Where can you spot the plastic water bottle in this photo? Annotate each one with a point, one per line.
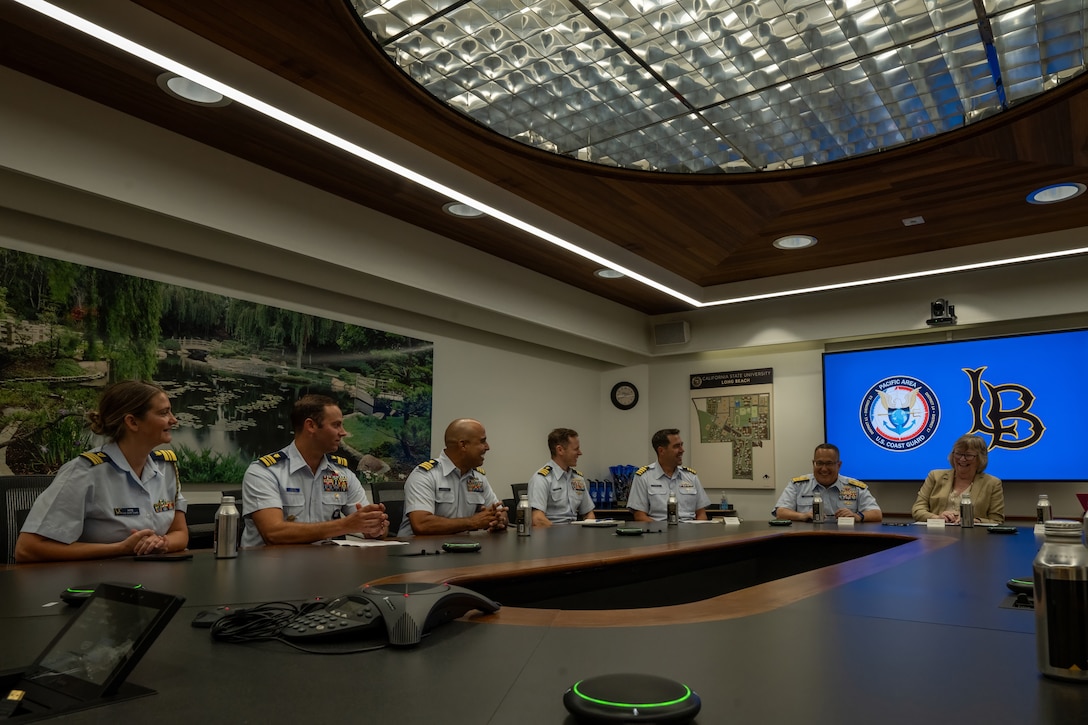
(225, 537)
(524, 516)
(817, 506)
(967, 511)
(1043, 511)
(672, 515)
(1060, 575)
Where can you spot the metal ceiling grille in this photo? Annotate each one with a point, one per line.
(705, 86)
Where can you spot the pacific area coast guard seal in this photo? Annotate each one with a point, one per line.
(900, 413)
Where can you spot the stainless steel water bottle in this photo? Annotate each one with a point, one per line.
(967, 511)
(226, 529)
(1060, 575)
(817, 506)
(523, 517)
(672, 515)
(1043, 511)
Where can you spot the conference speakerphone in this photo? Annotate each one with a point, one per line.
(408, 611)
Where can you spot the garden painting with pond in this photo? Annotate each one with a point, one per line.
(232, 369)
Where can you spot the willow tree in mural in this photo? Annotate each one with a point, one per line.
(232, 368)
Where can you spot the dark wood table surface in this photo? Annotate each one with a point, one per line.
(911, 634)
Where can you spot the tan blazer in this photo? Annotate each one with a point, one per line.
(986, 493)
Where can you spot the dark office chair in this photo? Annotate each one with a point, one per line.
(17, 494)
(511, 503)
(390, 493)
(200, 520)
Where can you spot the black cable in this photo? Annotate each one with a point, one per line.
(262, 622)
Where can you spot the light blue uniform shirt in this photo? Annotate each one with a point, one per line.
(437, 486)
(650, 492)
(846, 492)
(97, 498)
(283, 480)
(563, 496)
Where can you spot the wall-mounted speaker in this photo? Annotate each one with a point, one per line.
(676, 332)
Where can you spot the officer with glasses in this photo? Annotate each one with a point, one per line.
(842, 496)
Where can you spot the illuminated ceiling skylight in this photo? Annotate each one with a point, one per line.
(705, 86)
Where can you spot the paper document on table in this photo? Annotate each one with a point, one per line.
(596, 522)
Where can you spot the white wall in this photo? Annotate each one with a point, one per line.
(519, 398)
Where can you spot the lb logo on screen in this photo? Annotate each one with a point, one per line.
(900, 413)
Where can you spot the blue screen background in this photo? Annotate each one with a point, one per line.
(1050, 366)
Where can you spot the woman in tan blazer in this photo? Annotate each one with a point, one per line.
(939, 497)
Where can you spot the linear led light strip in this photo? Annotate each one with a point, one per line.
(107, 36)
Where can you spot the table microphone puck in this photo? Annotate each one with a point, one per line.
(631, 698)
(1022, 585)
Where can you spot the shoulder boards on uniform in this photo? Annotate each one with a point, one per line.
(95, 457)
(545, 470)
(272, 458)
(799, 479)
(690, 470)
(428, 465)
(578, 473)
(165, 454)
(480, 470)
(338, 460)
(854, 482)
(642, 470)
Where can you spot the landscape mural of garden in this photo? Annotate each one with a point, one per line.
(232, 369)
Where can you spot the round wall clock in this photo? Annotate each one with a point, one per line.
(624, 395)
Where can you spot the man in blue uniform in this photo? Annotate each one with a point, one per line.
(558, 492)
(304, 493)
(843, 497)
(450, 494)
(652, 484)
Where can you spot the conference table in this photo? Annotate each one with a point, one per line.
(895, 624)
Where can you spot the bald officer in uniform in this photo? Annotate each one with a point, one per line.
(557, 492)
(303, 493)
(652, 484)
(450, 494)
(845, 497)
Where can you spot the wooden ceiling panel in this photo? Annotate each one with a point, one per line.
(969, 185)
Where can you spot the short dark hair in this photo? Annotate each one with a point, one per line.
(827, 447)
(661, 438)
(560, 437)
(119, 400)
(312, 407)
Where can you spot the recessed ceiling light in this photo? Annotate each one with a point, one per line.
(1056, 192)
(190, 91)
(609, 274)
(456, 208)
(795, 241)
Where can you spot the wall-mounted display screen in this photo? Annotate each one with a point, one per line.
(895, 412)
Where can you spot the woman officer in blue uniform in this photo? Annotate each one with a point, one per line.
(120, 499)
